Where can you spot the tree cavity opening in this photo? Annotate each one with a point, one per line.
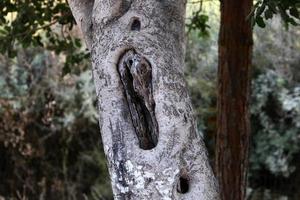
(135, 24)
(183, 184)
(136, 76)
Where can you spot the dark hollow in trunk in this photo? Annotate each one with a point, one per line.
(136, 76)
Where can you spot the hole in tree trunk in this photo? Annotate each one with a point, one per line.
(135, 24)
(183, 185)
(136, 76)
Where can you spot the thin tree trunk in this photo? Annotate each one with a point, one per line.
(146, 119)
(232, 141)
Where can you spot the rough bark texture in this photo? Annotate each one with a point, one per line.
(235, 49)
(146, 119)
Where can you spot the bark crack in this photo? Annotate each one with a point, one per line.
(136, 76)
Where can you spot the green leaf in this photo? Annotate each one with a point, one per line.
(268, 14)
(77, 42)
(272, 7)
(260, 10)
(66, 69)
(260, 22)
(293, 22)
(294, 12)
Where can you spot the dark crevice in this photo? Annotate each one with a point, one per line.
(135, 25)
(136, 76)
(183, 184)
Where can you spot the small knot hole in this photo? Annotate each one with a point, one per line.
(135, 24)
(130, 62)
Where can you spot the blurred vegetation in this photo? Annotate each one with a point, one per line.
(275, 103)
(49, 135)
(50, 144)
(264, 10)
(275, 113)
(40, 23)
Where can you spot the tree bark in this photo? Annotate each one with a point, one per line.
(233, 127)
(146, 119)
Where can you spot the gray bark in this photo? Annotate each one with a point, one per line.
(146, 118)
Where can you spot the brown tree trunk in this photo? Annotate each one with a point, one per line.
(232, 141)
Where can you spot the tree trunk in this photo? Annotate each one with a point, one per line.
(232, 141)
(146, 119)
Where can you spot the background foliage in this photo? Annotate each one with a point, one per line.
(274, 153)
(263, 10)
(40, 23)
(49, 137)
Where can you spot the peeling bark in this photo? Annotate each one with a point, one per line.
(146, 118)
